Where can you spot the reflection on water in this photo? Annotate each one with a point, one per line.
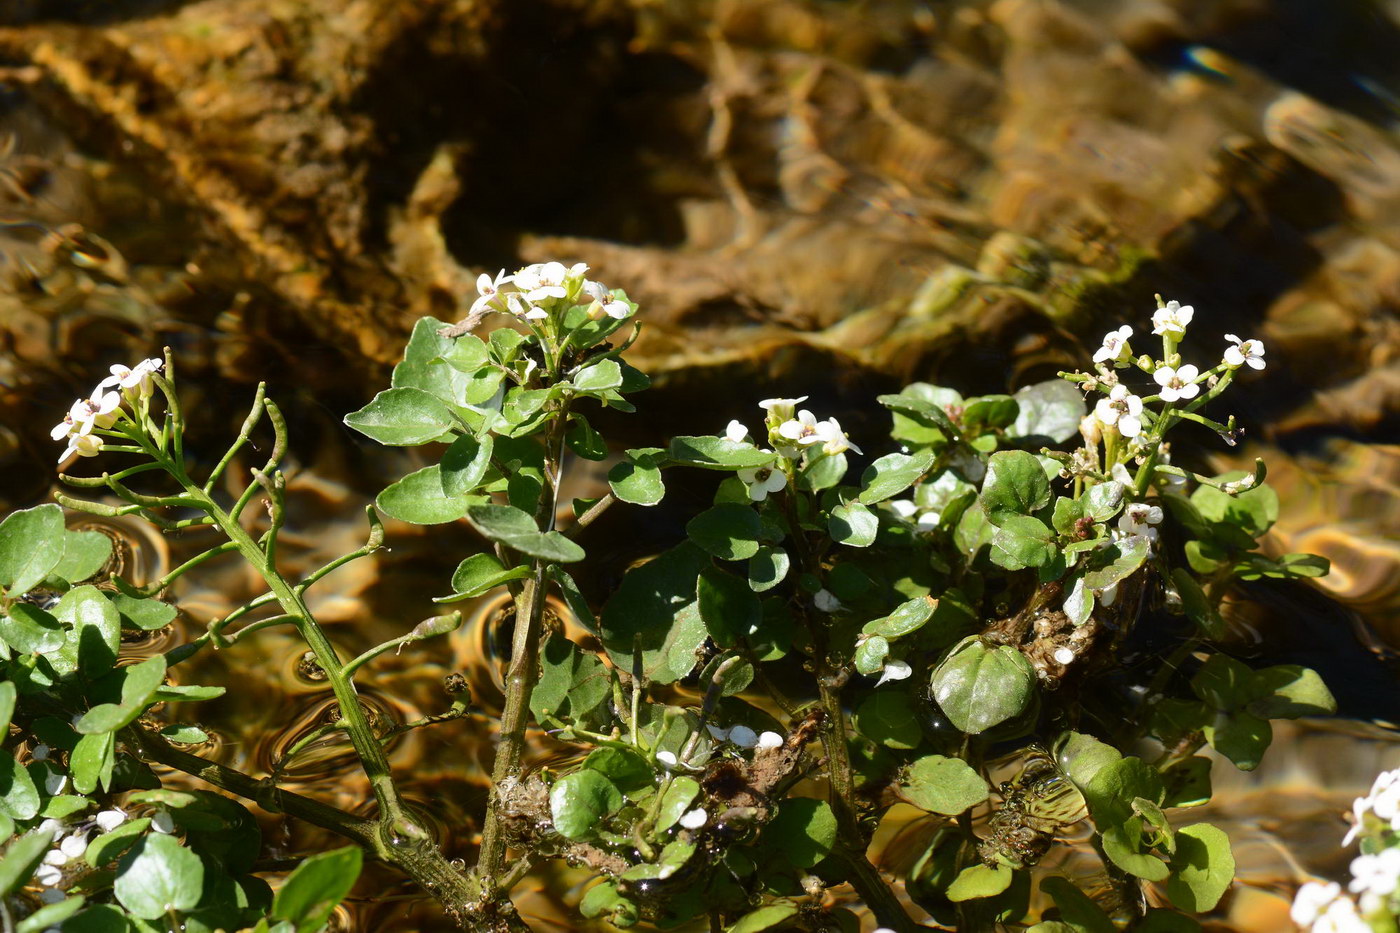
(820, 199)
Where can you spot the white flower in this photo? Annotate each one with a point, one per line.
(1138, 519)
(542, 280)
(1312, 899)
(1378, 874)
(1244, 352)
(1341, 917)
(48, 875)
(1122, 410)
(136, 377)
(762, 481)
(694, 819)
(743, 736)
(802, 428)
(1172, 319)
(770, 740)
(780, 409)
(109, 820)
(667, 759)
(614, 308)
(55, 857)
(1177, 384)
(84, 445)
(1115, 345)
(894, 670)
(74, 845)
(488, 290)
(834, 440)
(736, 432)
(522, 308)
(825, 601)
(162, 822)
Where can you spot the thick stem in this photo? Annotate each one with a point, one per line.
(523, 670)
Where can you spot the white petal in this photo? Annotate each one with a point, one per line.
(743, 736)
(1129, 426)
(694, 819)
(162, 822)
(770, 740)
(666, 758)
(1255, 362)
(894, 670)
(736, 431)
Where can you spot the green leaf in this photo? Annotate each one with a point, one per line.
(1224, 683)
(50, 916)
(888, 718)
(989, 411)
(1022, 541)
(719, 453)
(871, 654)
(602, 900)
(853, 525)
(105, 717)
(637, 479)
(601, 376)
(1132, 553)
(312, 891)
(1293, 691)
(64, 806)
(30, 630)
(1113, 789)
(92, 762)
(764, 918)
(94, 632)
(140, 681)
(1253, 511)
(1123, 844)
(943, 785)
(892, 474)
(31, 546)
(728, 531)
(448, 368)
(675, 802)
(1081, 757)
(8, 695)
(403, 417)
(571, 682)
(1051, 409)
(728, 607)
(1067, 514)
(21, 858)
(822, 471)
(1241, 737)
(158, 876)
(419, 498)
(585, 441)
(907, 618)
(144, 614)
(580, 801)
(1015, 484)
(106, 847)
(625, 767)
(978, 881)
(1077, 909)
(464, 464)
(1164, 920)
(655, 609)
(1196, 605)
(1103, 501)
(1202, 868)
(183, 734)
(767, 568)
(979, 687)
(1187, 782)
(479, 573)
(804, 830)
(84, 553)
(516, 529)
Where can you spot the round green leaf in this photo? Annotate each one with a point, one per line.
(943, 785)
(21, 858)
(102, 849)
(1202, 867)
(888, 718)
(84, 553)
(157, 876)
(729, 608)
(1015, 484)
(516, 529)
(31, 545)
(19, 799)
(764, 918)
(92, 761)
(318, 884)
(1293, 691)
(729, 531)
(907, 618)
(1123, 844)
(979, 687)
(719, 453)
(654, 610)
(675, 802)
(892, 474)
(419, 498)
(30, 630)
(585, 441)
(479, 573)
(145, 614)
(853, 525)
(1022, 541)
(578, 802)
(1050, 409)
(871, 654)
(601, 376)
(980, 881)
(767, 568)
(804, 830)
(638, 478)
(403, 417)
(94, 632)
(625, 767)
(464, 463)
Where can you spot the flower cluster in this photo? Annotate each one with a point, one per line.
(792, 433)
(101, 409)
(1323, 907)
(70, 844)
(535, 291)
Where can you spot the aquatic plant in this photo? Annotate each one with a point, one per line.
(959, 629)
